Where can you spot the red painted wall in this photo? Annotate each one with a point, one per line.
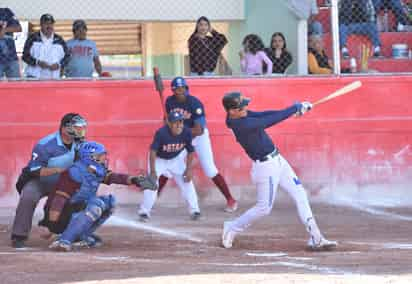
(362, 138)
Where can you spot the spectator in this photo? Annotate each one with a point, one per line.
(84, 56)
(253, 56)
(314, 26)
(204, 49)
(278, 54)
(358, 17)
(50, 157)
(45, 52)
(9, 64)
(318, 61)
(396, 7)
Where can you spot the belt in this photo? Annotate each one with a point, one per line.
(269, 156)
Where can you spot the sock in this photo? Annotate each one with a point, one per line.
(221, 184)
(162, 183)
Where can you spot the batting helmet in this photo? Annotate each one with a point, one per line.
(90, 153)
(179, 82)
(234, 100)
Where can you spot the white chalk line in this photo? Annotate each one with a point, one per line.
(121, 222)
(311, 267)
(378, 212)
(386, 245)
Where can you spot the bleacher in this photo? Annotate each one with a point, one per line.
(385, 63)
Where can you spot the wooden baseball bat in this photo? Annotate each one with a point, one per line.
(340, 92)
(159, 88)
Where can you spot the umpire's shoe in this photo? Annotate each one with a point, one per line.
(18, 242)
(323, 245)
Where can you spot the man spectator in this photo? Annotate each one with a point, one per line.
(50, 157)
(84, 56)
(358, 17)
(45, 52)
(397, 9)
(9, 64)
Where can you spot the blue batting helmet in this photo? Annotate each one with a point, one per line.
(179, 82)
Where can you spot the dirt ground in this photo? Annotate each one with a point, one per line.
(171, 248)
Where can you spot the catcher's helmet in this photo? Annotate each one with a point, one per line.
(89, 154)
(234, 100)
(179, 82)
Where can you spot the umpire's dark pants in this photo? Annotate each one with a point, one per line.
(30, 195)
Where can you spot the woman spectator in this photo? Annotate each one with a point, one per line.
(253, 56)
(278, 54)
(204, 49)
(318, 61)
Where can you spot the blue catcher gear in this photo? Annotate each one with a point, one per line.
(90, 154)
(179, 82)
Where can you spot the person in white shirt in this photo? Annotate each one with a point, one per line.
(45, 52)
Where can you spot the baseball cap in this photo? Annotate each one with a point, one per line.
(77, 24)
(46, 18)
(234, 100)
(175, 116)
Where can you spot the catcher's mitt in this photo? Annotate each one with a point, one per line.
(144, 182)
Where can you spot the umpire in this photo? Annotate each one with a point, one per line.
(50, 156)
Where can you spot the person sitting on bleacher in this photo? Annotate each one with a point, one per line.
(397, 9)
(358, 17)
(318, 61)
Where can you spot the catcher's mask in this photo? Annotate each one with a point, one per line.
(75, 125)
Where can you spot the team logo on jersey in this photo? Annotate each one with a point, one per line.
(186, 114)
(199, 111)
(173, 147)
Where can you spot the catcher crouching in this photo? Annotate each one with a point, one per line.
(73, 210)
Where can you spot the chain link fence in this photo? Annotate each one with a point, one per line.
(264, 39)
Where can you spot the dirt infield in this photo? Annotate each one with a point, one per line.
(173, 249)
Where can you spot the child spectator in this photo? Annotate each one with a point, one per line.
(252, 56)
(278, 54)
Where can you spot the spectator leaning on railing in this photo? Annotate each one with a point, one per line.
(204, 49)
(9, 64)
(358, 17)
(84, 56)
(45, 52)
(278, 54)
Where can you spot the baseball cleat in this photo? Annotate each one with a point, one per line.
(227, 236)
(60, 246)
(92, 241)
(143, 217)
(195, 216)
(323, 245)
(231, 206)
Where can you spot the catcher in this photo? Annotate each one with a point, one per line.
(74, 209)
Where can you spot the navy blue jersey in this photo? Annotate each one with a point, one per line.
(192, 109)
(168, 146)
(250, 130)
(7, 46)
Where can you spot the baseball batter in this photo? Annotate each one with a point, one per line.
(171, 155)
(269, 168)
(194, 118)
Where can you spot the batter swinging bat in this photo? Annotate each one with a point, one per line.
(159, 88)
(342, 91)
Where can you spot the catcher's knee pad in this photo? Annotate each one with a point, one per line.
(96, 207)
